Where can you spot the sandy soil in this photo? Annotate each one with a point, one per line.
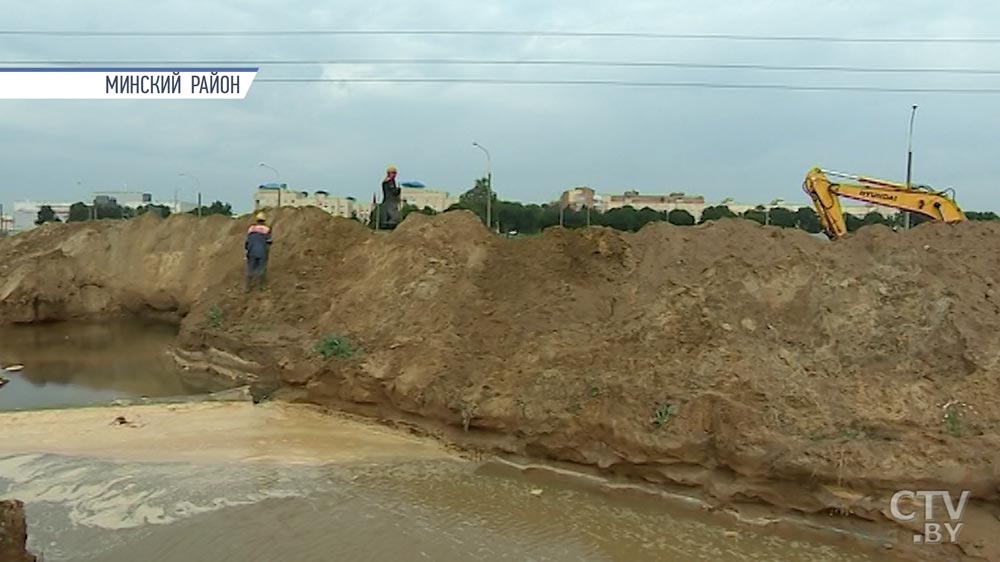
(209, 432)
(751, 363)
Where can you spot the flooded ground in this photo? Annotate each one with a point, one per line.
(80, 364)
(238, 482)
(242, 482)
(103, 511)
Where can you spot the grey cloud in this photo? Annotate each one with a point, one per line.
(752, 145)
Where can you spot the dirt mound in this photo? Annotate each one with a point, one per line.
(753, 362)
(13, 533)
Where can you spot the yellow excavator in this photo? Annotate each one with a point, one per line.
(825, 195)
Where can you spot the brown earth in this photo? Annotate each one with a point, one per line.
(754, 364)
(13, 533)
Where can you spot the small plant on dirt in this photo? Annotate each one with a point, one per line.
(594, 392)
(952, 418)
(214, 316)
(850, 434)
(663, 413)
(334, 345)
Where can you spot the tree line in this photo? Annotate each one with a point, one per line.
(79, 211)
(533, 218)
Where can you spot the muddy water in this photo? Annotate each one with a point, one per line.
(442, 510)
(76, 364)
(241, 482)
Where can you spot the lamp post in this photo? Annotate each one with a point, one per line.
(93, 207)
(909, 162)
(277, 175)
(489, 183)
(198, 182)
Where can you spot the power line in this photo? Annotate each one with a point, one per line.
(494, 33)
(511, 62)
(702, 85)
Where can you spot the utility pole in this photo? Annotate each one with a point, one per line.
(909, 163)
(197, 181)
(489, 183)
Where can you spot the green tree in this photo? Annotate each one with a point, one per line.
(780, 216)
(982, 216)
(216, 208)
(808, 220)
(475, 199)
(647, 215)
(874, 218)
(758, 215)
(411, 208)
(717, 212)
(574, 219)
(622, 218)
(549, 216)
(852, 222)
(526, 219)
(161, 210)
(110, 211)
(406, 209)
(79, 212)
(46, 214)
(680, 217)
(899, 219)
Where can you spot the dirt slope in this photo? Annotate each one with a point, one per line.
(755, 363)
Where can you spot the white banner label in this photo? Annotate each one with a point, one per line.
(125, 83)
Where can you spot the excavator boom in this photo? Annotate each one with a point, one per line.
(826, 194)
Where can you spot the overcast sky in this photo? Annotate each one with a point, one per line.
(751, 145)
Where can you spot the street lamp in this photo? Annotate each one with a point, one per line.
(197, 181)
(276, 175)
(93, 206)
(909, 162)
(489, 182)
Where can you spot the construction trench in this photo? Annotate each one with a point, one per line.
(786, 385)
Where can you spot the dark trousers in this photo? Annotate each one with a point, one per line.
(256, 269)
(390, 216)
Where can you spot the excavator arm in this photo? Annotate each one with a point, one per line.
(826, 194)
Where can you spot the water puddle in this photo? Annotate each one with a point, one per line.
(82, 364)
(434, 509)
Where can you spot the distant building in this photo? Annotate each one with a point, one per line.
(278, 195)
(26, 213)
(421, 197)
(664, 203)
(132, 199)
(578, 198)
(6, 224)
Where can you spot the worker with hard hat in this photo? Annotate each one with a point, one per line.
(390, 199)
(257, 246)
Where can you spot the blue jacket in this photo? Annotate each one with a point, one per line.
(258, 241)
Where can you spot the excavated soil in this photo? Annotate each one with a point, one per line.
(754, 364)
(13, 533)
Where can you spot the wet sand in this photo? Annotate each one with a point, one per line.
(209, 432)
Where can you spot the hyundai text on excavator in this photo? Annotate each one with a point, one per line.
(825, 195)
